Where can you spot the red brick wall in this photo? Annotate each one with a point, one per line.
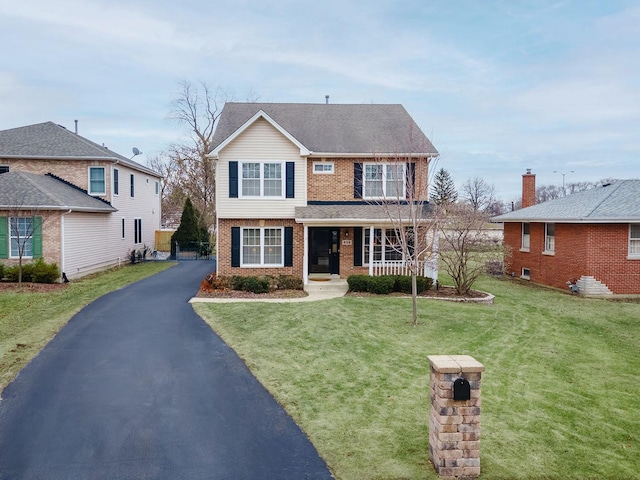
(528, 189)
(224, 247)
(597, 250)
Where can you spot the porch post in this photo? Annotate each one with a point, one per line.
(371, 232)
(305, 257)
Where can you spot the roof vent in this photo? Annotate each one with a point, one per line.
(326, 99)
(606, 184)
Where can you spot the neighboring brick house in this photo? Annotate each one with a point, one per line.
(88, 207)
(591, 237)
(297, 187)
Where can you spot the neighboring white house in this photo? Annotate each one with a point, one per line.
(95, 206)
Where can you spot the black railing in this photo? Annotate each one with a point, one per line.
(192, 251)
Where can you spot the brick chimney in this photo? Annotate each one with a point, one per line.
(528, 189)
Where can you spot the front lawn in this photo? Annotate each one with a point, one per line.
(560, 394)
(29, 319)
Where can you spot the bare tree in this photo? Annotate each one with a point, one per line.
(171, 194)
(198, 107)
(401, 188)
(465, 245)
(479, 194)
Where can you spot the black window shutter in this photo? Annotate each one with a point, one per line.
(357, 247)
(235, 246)
(357, 180)
(290, 180)
(411, 180)
(288, 246)
(233, 181)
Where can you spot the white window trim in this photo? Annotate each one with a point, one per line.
(365, 255)
(261, 264)
(330, 171)
(137, 226)
(522, 237)
(549, 251)
(633, 256)
(104, 182)
(20, 239)
(262, 163)
(384, 182)
(157, 188)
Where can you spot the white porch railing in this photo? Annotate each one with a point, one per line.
(429, 268)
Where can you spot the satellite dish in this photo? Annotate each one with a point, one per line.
(136, 151)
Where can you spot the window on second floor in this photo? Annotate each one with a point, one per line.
(634, 240)
(116, 182)
(4, 168)
(384, 180)
(132, 182)
(526, 237)
(323, 168)
(262, 179)
(97, 183)
(549, 237)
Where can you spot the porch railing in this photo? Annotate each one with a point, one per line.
(429, 268)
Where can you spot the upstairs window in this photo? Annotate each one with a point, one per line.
(132, 181)
(384, 180)
(526, 236)
(262, 179)
(97, 184)
(634, 240)
(323, 168)
(549, 237)
(116, 182)
(4, 168)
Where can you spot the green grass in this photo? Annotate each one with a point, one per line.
(29, 320)
(560, 395)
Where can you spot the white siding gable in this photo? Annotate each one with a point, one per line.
(259, 142)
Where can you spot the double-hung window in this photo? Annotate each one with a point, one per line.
(549, 237)
(634, 240)
(21, 236)
(262, 247)
(116, 181)
(386, 245)
(262, 179)
(526, 236)
(384, 180)
(97, 183)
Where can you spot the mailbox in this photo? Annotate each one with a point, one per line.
(461, 389)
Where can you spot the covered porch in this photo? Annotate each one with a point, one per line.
(343, 240)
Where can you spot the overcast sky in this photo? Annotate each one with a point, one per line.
(498, 86)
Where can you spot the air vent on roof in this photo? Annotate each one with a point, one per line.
(606, 184)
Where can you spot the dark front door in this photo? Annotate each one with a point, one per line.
(324, 250)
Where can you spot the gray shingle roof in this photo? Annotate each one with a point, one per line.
(26, 191)
(51, 141)
(618, 202)
(334, 128)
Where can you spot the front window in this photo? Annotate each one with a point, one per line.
(386, 245)
(384, 180)
(549, 237)
(634, 239)
(262, 247)
(97, 185)
(526, 236)
(262, 179)
(21, 231)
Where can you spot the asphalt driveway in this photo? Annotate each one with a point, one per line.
(137, 386)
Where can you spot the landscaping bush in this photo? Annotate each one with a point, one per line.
(1, 271)
(213, 282)
(256, 284)
(494, 267)
(13, 272)
(382, 285)
(358, 283)
(237, 282)
(289, 282)
(44, 272)
(403, 284)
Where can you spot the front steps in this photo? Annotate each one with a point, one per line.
(326, 284)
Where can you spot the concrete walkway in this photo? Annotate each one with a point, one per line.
(137, 386)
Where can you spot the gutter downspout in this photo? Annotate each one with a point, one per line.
(62, 241)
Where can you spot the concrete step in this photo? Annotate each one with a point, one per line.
(336, 285)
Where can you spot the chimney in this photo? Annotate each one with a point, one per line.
(76, 126)
(326, 99)
(528, 189)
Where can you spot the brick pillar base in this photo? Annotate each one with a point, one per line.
(454, 425)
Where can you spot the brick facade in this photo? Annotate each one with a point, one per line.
(51, 238)
(598, 250)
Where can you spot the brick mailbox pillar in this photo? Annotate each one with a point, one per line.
(454, 418)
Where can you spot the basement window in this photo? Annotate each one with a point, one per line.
(526, 274)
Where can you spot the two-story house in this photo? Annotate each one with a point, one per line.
(300, 187)
(590, 238)
(72, 201)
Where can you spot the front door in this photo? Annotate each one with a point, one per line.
(324, 250)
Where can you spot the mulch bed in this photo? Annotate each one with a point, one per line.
(28, 287)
